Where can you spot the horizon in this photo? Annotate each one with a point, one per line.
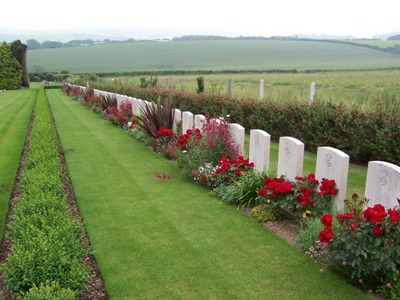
(162, 19)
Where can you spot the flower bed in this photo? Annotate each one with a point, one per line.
(210, 158)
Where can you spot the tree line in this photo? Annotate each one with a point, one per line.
(13, 70)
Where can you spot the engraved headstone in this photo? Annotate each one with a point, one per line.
(187, 121)
(177, 119)
(199, 121)
(334, 164)
(237, 132)
(260, 143)
(383, 184)
(290, 157)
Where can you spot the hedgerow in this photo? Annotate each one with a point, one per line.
(47, 243)
(365, 136)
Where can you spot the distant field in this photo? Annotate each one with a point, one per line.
(379, 43)
(212, 55)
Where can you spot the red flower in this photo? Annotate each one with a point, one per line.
(378, 230)
(262, 192)
(326, 235)
(394, 215)
(354, 226)
(326, 220)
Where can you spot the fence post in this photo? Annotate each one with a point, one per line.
(261, 89)
(312, 92)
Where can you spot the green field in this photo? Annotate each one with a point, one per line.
(364, 89)
(379, 43)
(212, 55)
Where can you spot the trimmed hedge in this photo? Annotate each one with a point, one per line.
(46, 242)
(365, 136)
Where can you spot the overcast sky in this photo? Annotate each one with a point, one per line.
(359, 18)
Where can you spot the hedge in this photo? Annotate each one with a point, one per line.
(364, 136)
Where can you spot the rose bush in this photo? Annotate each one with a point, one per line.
(305, 196)
(366, 244)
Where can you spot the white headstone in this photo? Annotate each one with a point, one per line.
(312, 92)
(334, 164)
(237, 132)
(135, 105)
(199, 121)
(290, 157)
(260, 144)
(177, 119)
(141, 105)
(383, 184)
(187, 121)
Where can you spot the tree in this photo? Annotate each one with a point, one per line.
(18, 50)
(10, 69)
(33, 44)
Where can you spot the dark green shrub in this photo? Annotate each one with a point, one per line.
(50, 291)
(263, 213)
(200, 85)
(10, 69)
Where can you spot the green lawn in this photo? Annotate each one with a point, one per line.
(15, 111)
(168, 239)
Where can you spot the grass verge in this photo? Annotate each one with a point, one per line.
(15, 111)
(168, 239)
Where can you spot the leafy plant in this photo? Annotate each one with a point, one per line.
(200, 85)
(306, 196)
(366, 244)
(107, 101)
(263, 213)
(50, 291)
(156, 115)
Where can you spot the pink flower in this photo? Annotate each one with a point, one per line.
(344, 263)
(389, 285)
(360, 281)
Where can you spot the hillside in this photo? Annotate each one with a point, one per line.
(212, 55)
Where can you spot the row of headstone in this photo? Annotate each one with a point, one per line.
(383, 178)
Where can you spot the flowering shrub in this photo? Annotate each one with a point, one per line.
(299, 197)
(209, 145)
(227, 171)
(162, 139)
(366, 244)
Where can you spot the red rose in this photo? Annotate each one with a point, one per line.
(325, 235)
(394, 215)
(378, 230)
(326, 220)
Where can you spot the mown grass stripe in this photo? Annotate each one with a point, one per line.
(168, 239)
(15, 111)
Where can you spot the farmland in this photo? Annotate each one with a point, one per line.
(234, 55)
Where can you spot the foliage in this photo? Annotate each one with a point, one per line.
(50, 291)
(153, 116)
(366, 244)
(200, 85)
(18, 50)
(46, 242)
(209, 144)
(263, 213)
(10, 69)
(304, 197)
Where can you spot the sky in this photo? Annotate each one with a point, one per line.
(358, 18)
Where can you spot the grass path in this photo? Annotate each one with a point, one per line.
(15, 111)
(168, 239)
